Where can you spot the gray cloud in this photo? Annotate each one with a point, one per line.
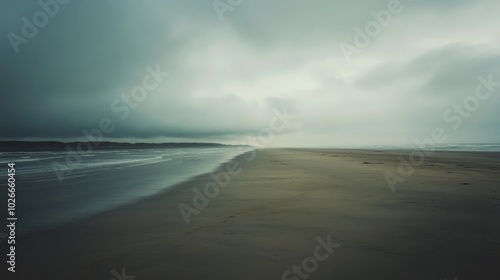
(227, 76)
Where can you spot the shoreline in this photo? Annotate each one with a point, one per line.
(139, 200)
(264, 222)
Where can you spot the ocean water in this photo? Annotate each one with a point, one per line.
(100, 181)
(439, 147)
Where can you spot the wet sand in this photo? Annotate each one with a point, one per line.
(441, 222)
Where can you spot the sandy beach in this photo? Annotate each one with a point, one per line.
(331, 212)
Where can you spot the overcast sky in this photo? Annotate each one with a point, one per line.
(228, 70)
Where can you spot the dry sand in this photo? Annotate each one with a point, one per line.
(442, 222)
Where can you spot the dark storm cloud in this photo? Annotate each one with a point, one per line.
(62, 80)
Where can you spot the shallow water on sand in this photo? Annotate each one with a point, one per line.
(50, 192)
